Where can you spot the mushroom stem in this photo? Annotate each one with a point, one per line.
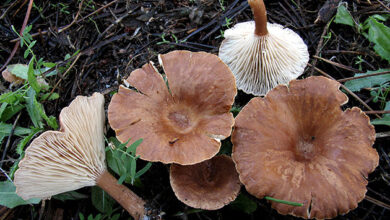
(124, 196)
(260, 16)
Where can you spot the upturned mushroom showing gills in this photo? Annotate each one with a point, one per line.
(72, 158)
(296, 144)
(262, 55)
(208, 185)
(184, 122)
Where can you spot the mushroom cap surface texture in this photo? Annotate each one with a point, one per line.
(183, 124)
(296, 144)
(209, 185)
(65, 160)
(260, 63)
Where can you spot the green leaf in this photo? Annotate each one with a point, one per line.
(132, 148)
(101, 200)
(81, 216)
(368, 82)
(25, 140)
(49, 97)
(343, 16)
(379, 34)
(72, 195)
(10, 111)
(133, 168)
(32, 110)
(385, 120)
(10, 199)
(19, 131)
(11, 97)
(32, 79)
(19, 70)
(244, 204)
(2, 108)
(143, 170)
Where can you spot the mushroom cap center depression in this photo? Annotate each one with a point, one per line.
(305, 149)
(180, 118)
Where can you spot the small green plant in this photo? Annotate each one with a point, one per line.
(221, 3)
(122, 160)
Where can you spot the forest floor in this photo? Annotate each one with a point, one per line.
(96, 44)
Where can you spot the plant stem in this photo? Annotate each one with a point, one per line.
(260, 16)
(124, 196)
(283, 201)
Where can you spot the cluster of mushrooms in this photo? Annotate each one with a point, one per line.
(294, 144)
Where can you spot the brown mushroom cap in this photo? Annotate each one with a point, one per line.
(296, 144)
(183, 124)
(209, 185)
(65, 160)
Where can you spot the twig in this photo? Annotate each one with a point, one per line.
(345, 88)
(378, 112)
(66, 72)
(363, 76)
(377, 202)
(380, 2)
(319, 47)
(30, 4)
(61, 29)
(338, 65)
(383, 134)
(9, 139)
(6, 175)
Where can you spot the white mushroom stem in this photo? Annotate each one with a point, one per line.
(260, 16)
(124, 196)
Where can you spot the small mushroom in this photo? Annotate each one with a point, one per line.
(209, 185)
(262, 55)
(72, 158)
(296, 144)
(11, 78)
(182, 123)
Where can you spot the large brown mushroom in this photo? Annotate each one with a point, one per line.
(262, 55)
(184, 122)
(296, 144)
(72, 158)
(209, 185)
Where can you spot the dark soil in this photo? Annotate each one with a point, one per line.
(124, 35)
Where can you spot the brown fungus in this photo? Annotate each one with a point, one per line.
(208, 185)
(296, 144)
(181, 124)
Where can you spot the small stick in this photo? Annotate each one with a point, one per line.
(377, 202)
(380, 2)
(9, 139)
(378, 112)
(16, 47)
(363, 76)
(338, 64)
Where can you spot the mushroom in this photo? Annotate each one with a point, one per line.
(296, 144)
(262, 55)
(72, 158)
(11, 78)
(184, 122)
(209, 185)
